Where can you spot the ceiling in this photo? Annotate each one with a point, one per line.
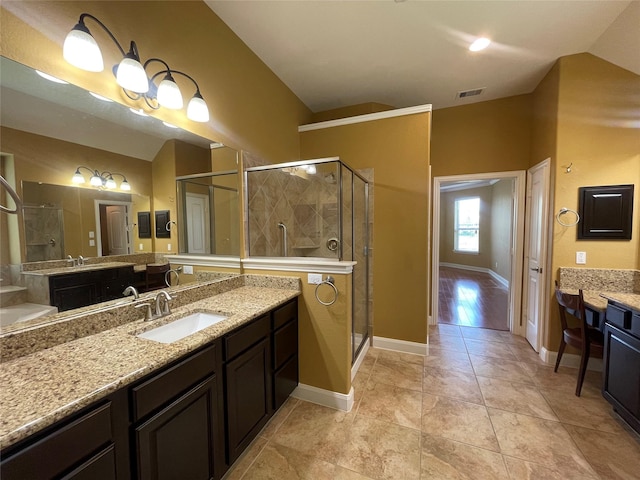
(333, 54)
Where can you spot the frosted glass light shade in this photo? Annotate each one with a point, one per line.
(81, 50)
(95, 181)
(169, 94)
(131, 75)
(110, 183)
(125, 185)
(77, 177)
(197, 109)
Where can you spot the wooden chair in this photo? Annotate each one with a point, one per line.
(588, 340)
(154, 277)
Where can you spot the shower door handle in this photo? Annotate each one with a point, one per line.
(284, 238)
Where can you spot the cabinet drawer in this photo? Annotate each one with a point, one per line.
(238, 341)
(285, 314)
(635, 324)
(619, 317)
(99, 467)
(160, 389)
(63, 449)
(285, 343)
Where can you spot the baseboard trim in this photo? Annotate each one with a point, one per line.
(400, 345)
(570, 360)
(359, 360)
(327, 398)
(471, 268)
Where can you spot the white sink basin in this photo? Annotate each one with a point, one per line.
(182, 327)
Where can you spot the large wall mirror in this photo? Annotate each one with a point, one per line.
(50, 129)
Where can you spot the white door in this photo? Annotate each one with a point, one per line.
(117, 229)
(197, 223)
(536, 251)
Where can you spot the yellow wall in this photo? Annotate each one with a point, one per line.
(492, 136)
(324, 333)
(597, 132)
(398, 151)
(250, 107)
(350, 111)
(163, 170)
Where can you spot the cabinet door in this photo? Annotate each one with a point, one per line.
(84, 292)
(622, 373)
(180, 441)
(248, 381)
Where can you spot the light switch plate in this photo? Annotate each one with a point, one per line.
(141, 247)
(581, 258)
(92, 243)
(314, 278)
(188, 269)
(92, 234)
(168, 247)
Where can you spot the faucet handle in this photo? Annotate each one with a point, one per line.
(148, 314)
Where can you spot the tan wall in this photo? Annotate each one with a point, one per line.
(598, 104)
(501, 227)
(492, 136)
(47, 160)
(250, 107)
(163, 170)
(447, 217)
(398, 151)
(324, 335)
(350, 111)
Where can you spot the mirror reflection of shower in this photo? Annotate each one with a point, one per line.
(284, 238)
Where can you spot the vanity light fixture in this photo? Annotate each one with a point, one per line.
(51, 78)
(104, 179)
(81, 50)
(479, 44)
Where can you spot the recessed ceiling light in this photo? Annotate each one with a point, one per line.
(166, 124)
(138, 112)
(100, 97)
(479, 44)
(51, 78)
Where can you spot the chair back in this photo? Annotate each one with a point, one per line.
(573, 304)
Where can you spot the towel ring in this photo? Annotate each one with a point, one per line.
(328, 281)
(168, 227)
(12, 193)
(564, 210)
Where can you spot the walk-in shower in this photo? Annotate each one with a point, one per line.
(318, 209)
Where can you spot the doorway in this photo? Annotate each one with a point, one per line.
(112, 228)
(456, 231)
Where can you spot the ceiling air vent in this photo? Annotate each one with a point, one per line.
(470, 93)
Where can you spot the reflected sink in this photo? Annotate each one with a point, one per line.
(182, 327)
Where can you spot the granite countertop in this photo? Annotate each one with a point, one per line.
(46, 386)
(629, 300)
(78, 269)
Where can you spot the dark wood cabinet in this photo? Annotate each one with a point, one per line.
(189, 420)
(81, 447)
(79, 289)
(248, 384)
(180, 441)
(621, 385)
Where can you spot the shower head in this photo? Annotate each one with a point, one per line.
(330, 178)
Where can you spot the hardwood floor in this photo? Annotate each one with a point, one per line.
(473, 299)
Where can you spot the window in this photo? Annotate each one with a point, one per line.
(467, 225)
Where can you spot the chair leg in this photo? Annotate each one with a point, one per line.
(584, 359)
(560, 352)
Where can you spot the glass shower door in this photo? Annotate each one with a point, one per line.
(360, 333)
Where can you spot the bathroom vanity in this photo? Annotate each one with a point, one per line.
(114, 405)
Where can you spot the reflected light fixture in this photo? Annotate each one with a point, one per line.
(479, 44)
(100, 97)
(81, 50)
(51, 78)
(100, 180)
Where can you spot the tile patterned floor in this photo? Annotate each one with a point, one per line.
(473, 299)
(480, 406)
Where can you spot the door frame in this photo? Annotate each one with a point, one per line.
(98, 238)
(517, 243)
(209, 227)
(545, 258)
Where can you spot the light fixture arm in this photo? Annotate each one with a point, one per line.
(104, 27)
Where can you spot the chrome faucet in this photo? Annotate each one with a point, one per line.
(72, 260)
(162, 304)
(131, 290)
(80, 260)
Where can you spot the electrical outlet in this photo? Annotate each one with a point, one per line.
(141, 247)
(92, 243)
(168, 247)
(92, 234)
(581, 258)
(314, 278)
(188, 269)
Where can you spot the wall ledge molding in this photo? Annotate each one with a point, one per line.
(205, 260)
(400, 345)
(299, 264)
(326, 398)
(369, 117)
